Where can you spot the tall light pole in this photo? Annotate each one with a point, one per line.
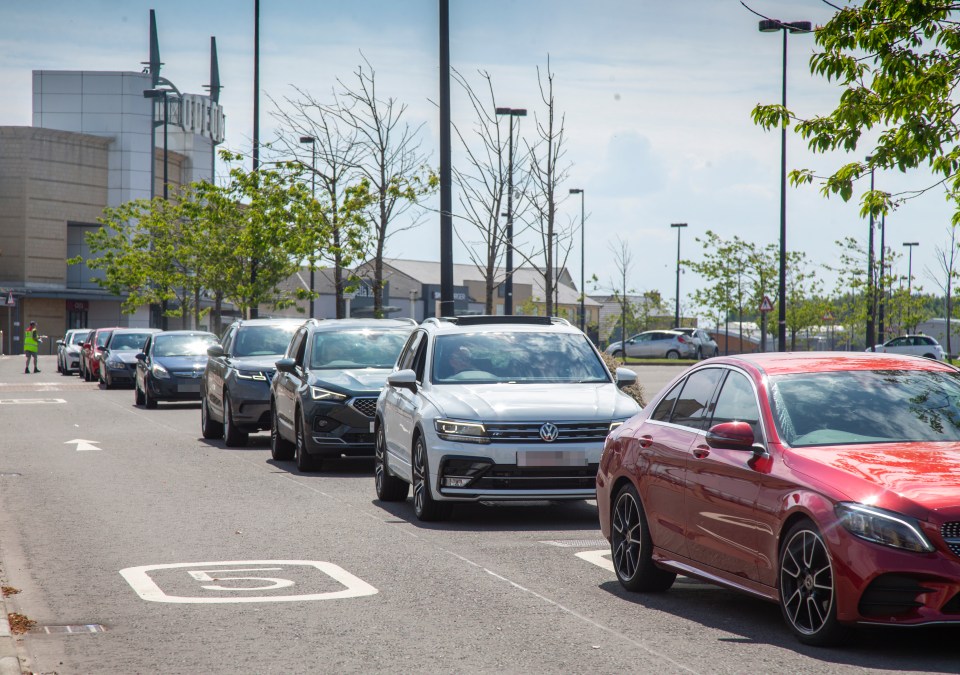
(871, 294)
(772, 26)
(312, 141)
(910, 245)
(508, 284)
(447, 307)
(583, 287)
(883, 287)
(154, 94)
(676, 313)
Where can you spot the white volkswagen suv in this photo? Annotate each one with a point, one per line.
(495, 408)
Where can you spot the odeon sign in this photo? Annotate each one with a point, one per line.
(200, 115)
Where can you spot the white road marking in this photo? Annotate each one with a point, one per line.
(140, 580)
(599, 558)
(83, 445)
(29, 401)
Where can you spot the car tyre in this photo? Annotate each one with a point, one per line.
(232, 436)
(673, 354)
(149, 401)
(137, 394)
(103, 379)
(716, 352)
(631, 546)
(389, 488)
(280, 447)
(425, 507)
(618, 354)
(699, 353)
(209, 427)
(85, 373)
(807, 587)
(304, 460)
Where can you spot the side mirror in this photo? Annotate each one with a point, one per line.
(625, 378)
(141, 357)
(100, 349)
(403, 379)
(215, 350)
(60, 343)
(731, 436)
(630, 341)
(287, 365)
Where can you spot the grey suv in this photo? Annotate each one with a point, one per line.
(324, 394)
(235, 388)
(495, 408)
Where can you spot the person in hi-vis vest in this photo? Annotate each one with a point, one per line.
(31, 345)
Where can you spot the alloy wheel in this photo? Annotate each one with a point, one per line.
(806, 582)
(625, 538)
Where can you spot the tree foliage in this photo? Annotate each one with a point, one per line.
(896, 64)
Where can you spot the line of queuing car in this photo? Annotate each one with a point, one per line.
(828, 483)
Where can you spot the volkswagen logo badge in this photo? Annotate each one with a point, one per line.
(549, 432)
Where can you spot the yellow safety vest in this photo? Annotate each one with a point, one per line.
(30, 342)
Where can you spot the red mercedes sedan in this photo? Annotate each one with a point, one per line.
(826, 482)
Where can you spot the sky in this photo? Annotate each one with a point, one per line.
(656, 98)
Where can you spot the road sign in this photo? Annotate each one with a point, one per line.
(10, 301)
(828, 317)
(766, 305)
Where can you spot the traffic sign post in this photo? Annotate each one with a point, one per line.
(765, 306)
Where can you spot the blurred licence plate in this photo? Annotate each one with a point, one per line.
(551, 458)
(189, 388)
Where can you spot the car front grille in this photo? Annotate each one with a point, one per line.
(510, 477)
(188, 374)
(951, 534)
(365, 406)
(529, 432)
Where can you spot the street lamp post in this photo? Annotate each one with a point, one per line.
(154, 94)
(871, 293)
(676, 313)
(772, 26)
(508, 283)
(583, 288)
(161, 93)
(883, 287)
(910, 245)
(312, 141)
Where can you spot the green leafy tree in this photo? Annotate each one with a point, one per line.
(804, 307)
(896, 66)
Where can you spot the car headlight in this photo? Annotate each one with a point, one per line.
(882, 527)
(465, 432)
(616, 425)
(159, 371)
(114, 362)
(321, 394)
(252, 375)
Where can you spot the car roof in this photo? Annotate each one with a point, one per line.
(498, 324)
(188, 332)
(124, 331)
(781, 363)
(347, 324)
(268, 322)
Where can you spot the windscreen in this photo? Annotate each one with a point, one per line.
(103, 337)
(866, 406)
(516, 357)
(182, 345)
(77, 338)
(356, 349)
(264, 340)
(128, 341)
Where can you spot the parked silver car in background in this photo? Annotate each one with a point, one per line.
(706, 346)
(655, 344)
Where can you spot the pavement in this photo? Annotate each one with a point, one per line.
(11, 367)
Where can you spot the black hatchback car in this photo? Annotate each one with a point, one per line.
(170, 367)
(324, 395)
(118, 360)
(235, 387)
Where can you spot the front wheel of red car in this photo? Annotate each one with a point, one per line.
(808, 587)
(631, 546)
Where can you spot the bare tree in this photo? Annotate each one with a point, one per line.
(482, 184)
(623, 263)
(944, 276)
(390, 159)
(333, 160)
(547, 171)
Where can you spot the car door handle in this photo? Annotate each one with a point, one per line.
(646, 441)
(701, 451)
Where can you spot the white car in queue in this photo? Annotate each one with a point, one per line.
(495, 408)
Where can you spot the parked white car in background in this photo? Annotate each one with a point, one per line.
(916, 345)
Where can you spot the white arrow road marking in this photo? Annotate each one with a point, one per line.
(83, 445)
(599, 558)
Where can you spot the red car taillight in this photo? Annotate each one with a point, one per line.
(681, 339)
